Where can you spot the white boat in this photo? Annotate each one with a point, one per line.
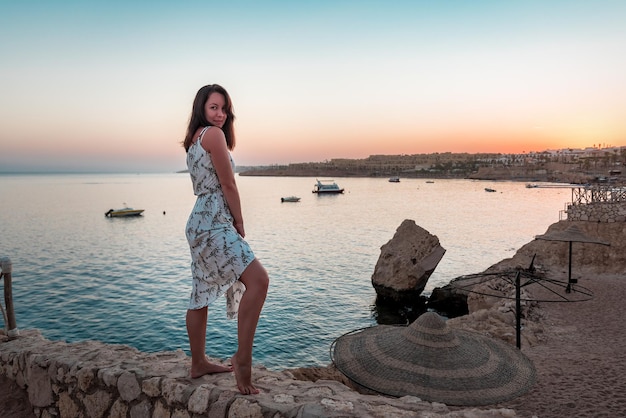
(395, 179)
(290, 199)
(326, 187)
(117, 213)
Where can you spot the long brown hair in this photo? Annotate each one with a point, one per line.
(197, 118)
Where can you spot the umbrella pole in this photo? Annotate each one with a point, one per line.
(518, 311)
(568, 289)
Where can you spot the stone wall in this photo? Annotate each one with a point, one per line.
(597, 212)
(93, 379)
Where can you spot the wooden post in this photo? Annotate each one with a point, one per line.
(12, 330)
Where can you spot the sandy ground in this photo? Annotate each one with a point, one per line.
(580, 362)
(581, 365)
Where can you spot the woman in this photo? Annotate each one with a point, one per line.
(222, 262)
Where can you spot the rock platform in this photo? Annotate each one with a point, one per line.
(93, 379)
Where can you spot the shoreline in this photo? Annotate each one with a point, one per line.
(483, 176)
(448, 166)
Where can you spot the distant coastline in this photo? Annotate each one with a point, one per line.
(576, 167)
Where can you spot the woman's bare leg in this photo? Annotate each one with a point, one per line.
(256, 281)
(196, 330)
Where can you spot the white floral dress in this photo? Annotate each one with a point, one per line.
(219, 255)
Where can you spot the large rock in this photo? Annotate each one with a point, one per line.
(586, 258)
(405, 264)
(448, 302)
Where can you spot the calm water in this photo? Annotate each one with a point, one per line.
(78, 275)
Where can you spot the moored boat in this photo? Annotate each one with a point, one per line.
(326, 187)
(118, 213)
(487, 189)
(394, 179)
(290, 199)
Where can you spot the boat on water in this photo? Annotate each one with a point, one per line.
(531, 186)
(290, 199)
(487, 189)
(429, 181)
(394, 179)
(326, 187)
(118, 213)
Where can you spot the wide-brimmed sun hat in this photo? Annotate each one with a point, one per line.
(429, 360)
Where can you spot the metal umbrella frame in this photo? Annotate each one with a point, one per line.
(521, 278)
(571, 234)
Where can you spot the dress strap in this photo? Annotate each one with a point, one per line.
(202, 134)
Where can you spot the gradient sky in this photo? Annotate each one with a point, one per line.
(108, 85)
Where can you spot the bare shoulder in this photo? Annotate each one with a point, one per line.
(213, 138)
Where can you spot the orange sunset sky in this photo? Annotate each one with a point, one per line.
(108, 86)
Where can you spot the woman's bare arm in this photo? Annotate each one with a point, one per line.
(214, 142)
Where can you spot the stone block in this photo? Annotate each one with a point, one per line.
(181, 413)
(119, 409)
(128, 387)
(84, 379)
(161, 411)
(109, 376)
(219, 406)
(175, 392)
(242, 407)
(39, 386)
(67, 406)
(97, 404)
(199, 399)
(140, 410)
(152, 387)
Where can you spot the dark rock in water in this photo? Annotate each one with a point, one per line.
(449, 302)
(397, 313)
(405, 264)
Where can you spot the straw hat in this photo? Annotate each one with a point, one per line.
(431, 361)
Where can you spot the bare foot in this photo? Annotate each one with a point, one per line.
(243, 375)
(207, 367)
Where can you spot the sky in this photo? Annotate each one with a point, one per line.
(108, 85)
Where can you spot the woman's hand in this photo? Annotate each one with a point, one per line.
(240, 230)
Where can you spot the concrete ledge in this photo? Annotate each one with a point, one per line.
(92, 379)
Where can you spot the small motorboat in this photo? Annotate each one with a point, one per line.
(394, 179)
(290, 199)
(487, 189)
(118, 213)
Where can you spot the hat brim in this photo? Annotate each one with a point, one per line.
(476, 370)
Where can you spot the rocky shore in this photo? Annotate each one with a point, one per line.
(576, 348)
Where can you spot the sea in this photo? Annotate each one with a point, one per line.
(78, 275)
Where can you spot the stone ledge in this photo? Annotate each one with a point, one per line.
(93, 379)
